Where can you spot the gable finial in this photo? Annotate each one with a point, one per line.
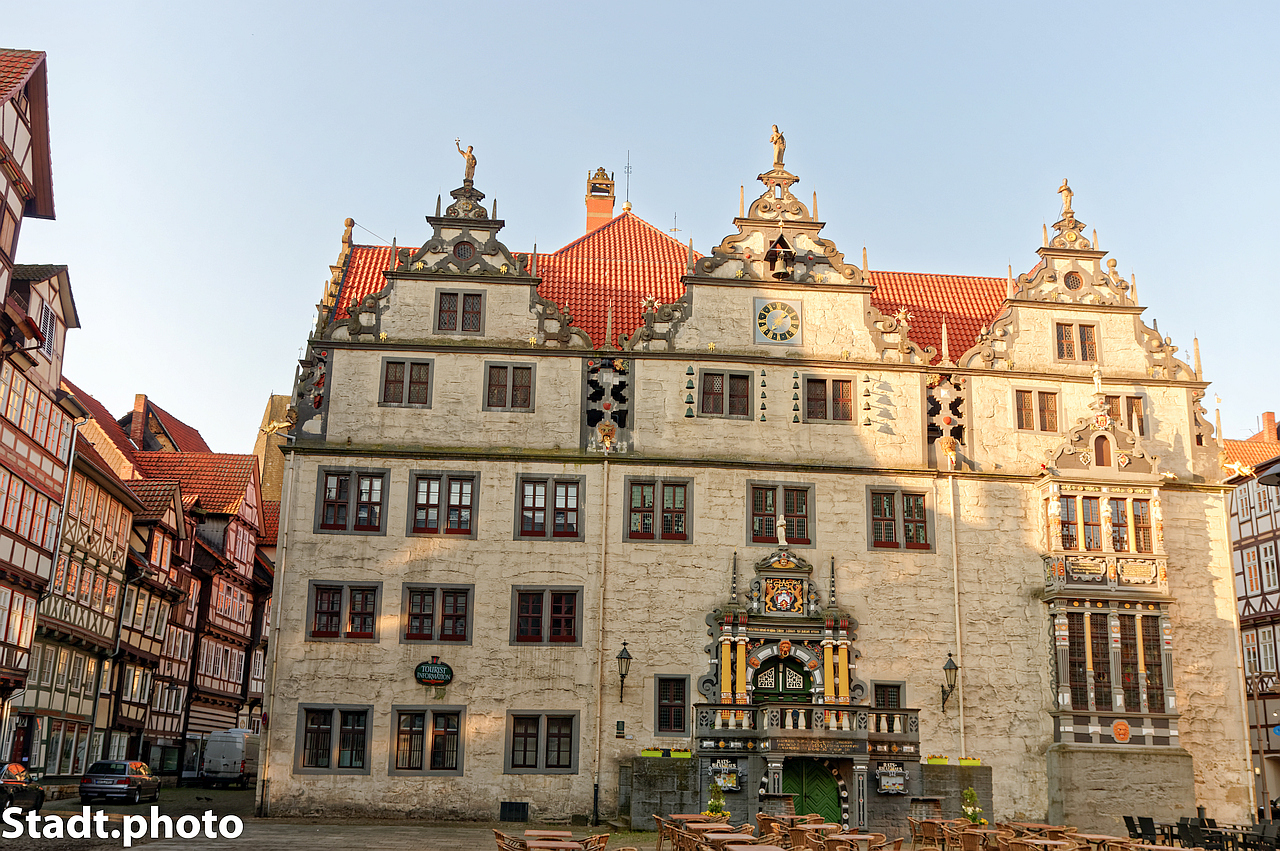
(779, 146)
(1065, 191)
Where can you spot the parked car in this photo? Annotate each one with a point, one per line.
(20, 789)
(119, 778)
(231, 756)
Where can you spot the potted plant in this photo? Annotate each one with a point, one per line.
(970, 807)
(715, 810)
(936, 759)
(970, 760)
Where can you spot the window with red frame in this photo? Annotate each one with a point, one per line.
(327, 615)
(361, 612)
(457, 512)
(369, 504)
(884, 523)
(725, 394)
(336, 496)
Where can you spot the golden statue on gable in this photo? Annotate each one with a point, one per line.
(779, 146)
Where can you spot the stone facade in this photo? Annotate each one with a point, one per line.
(926, 483)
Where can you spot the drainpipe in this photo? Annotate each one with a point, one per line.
(277, 605)
(600, 651)
(955, 589)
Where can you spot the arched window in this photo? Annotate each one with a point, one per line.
(1101, 451)
(785, 680)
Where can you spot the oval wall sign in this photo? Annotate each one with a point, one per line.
(433, 673)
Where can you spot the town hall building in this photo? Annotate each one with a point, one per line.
(818, 526)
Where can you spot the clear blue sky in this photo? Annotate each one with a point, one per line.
(205, 155)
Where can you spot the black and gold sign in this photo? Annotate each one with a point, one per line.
(777, 321)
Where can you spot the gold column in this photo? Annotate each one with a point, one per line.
(726, 668)
(741, 693)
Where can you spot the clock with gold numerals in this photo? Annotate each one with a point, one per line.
(777, 321)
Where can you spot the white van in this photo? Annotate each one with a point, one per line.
(231, 756)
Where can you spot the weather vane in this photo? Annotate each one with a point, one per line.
(627, 172)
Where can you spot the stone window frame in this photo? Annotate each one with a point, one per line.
(779, 499)
(509, 365)
(444, 476)
(1055, 391)
(460, 293)
(549, 480)
(352, 492)
(806, 377)
(546, 590)
(726, 372)
(404, 393)
(1075, 326)
(542, 716)
(344, 610)
(658, 482)
(1125, 400)
(335, 734)
(437, 613)
(686, 719)
(430, 711)
(900, 544)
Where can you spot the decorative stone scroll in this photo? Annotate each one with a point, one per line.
(891, 337)
(661, 323)
(994, 346)
(555, 324)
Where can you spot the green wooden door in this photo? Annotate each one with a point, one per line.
(814, 787)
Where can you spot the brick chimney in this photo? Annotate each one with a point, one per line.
(600, 199)
(1269, 425)
(138, 422)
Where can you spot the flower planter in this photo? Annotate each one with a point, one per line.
(970, 760)
(937, 760)
(682, 754)
(650, 752)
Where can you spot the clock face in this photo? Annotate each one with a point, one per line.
(777, 321)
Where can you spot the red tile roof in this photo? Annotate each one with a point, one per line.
(1250, 452)
(219, 480)
(156, 496)
(186, 438)
(627, 259)
(102, 417)
(15, 68)
(270, 522)
(964, 301)
(363, 276)
(85, 451)
(619, 263)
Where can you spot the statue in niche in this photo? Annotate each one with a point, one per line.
(1064, 190)
(779, 146)
(470, 158)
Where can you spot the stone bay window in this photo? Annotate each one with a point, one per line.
(1106, 585)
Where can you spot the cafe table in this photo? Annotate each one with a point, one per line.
(554, 845)
(718, 838)
(1045, 843)
(548, 834)
(863, 839)
(702, 827)
(749, 847)
(687, 817)
(823, 827)
(1097, 839)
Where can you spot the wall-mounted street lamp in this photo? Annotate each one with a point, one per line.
(949, 669)
(624, 666)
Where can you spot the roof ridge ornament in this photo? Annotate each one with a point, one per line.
(1070, 230)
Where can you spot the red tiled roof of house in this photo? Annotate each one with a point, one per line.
(618, 264)
(186, 438)
(85, 450)
(965, 302)
(219, 480)
(156, 496)
(15, 67)
(103, 418)
(1249, 452)
(363, 276)
(270, 522)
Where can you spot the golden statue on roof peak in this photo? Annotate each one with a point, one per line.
(470, 158)
(779, 146)
(1065, 191)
